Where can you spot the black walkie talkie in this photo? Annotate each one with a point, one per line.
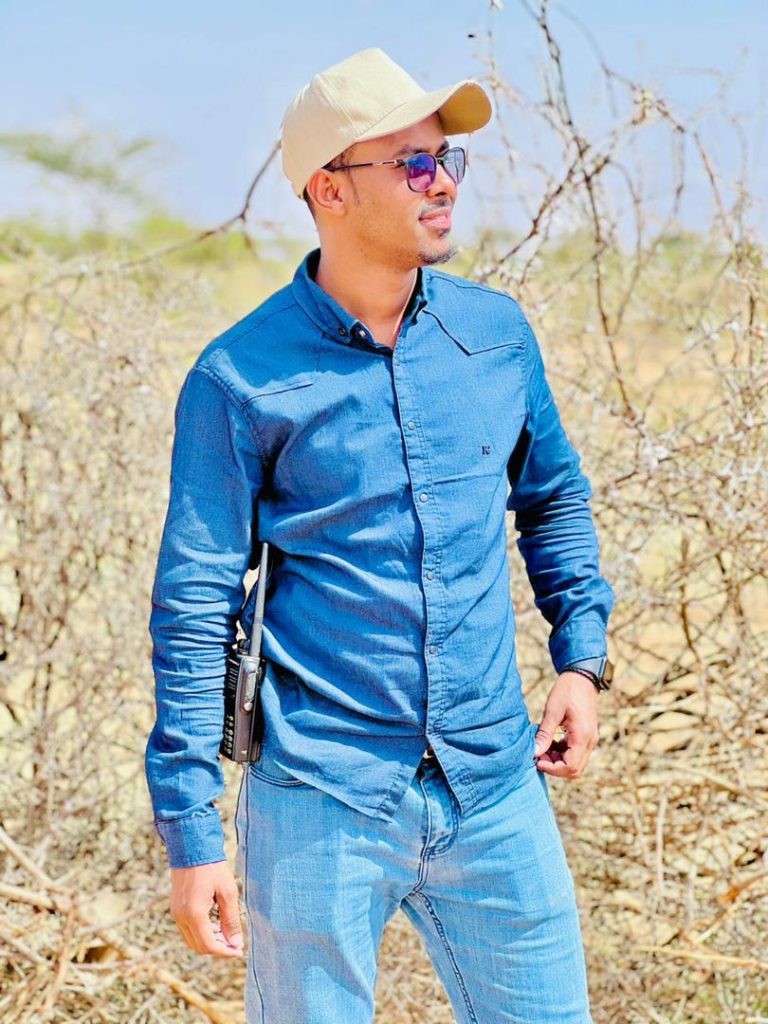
(243, 718)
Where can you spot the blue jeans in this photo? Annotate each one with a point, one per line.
(491, 895)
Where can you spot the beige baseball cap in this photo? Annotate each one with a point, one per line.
(362, 97)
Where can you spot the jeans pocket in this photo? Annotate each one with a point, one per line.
(268, 770)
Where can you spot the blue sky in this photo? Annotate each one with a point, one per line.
(212, 80)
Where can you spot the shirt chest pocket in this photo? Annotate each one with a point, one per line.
(473, 423)
(279, 409)
(478, 408)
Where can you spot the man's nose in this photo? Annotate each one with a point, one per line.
(443, 183)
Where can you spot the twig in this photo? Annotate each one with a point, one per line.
(705, 957)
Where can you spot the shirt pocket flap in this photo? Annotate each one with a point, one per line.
(276, 385)
(491, 331)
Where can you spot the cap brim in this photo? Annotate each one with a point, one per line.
(462, 107)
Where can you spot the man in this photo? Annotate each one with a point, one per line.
(365, 420)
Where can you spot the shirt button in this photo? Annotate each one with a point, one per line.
(423, 497)
(432, 649)
(360, 332)
(411, 425)
(430, 574)
(343, 332)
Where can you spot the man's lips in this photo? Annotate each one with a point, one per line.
(438, 219)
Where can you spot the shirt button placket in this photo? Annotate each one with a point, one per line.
(417, 465)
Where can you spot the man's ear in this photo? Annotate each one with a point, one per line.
(324, 191)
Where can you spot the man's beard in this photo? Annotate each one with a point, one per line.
(429, 258)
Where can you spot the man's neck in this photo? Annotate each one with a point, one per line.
(370, 292)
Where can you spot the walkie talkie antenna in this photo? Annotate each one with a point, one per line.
(258, 614)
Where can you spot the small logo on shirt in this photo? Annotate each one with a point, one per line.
(486, 449)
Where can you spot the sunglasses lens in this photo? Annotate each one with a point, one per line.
(455, 163)
(422, 169)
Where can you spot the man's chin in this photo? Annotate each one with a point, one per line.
(428, 257)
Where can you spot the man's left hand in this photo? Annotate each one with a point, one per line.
(572, 705)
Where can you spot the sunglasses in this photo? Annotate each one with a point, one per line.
(421, 168)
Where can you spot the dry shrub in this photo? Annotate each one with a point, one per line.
(92, 354)
(656, 351)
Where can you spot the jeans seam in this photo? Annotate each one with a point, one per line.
(424, 859)
(237, 805)
(251, 935)
(439, 928)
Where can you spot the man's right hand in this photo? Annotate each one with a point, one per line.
(194, 891)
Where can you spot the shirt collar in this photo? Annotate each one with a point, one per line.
(331, 317)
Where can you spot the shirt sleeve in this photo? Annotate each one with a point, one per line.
(550, 497)
(206, 547)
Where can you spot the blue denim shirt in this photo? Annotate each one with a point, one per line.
(381, 478)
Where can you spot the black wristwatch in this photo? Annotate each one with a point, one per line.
(599, 670)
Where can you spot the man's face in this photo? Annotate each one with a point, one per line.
(383, 217)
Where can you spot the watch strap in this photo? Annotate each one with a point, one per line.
(599, 670)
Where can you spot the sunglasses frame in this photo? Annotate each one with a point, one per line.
(404, 161)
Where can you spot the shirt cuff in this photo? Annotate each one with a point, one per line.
(189, 842)
(577, 640)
